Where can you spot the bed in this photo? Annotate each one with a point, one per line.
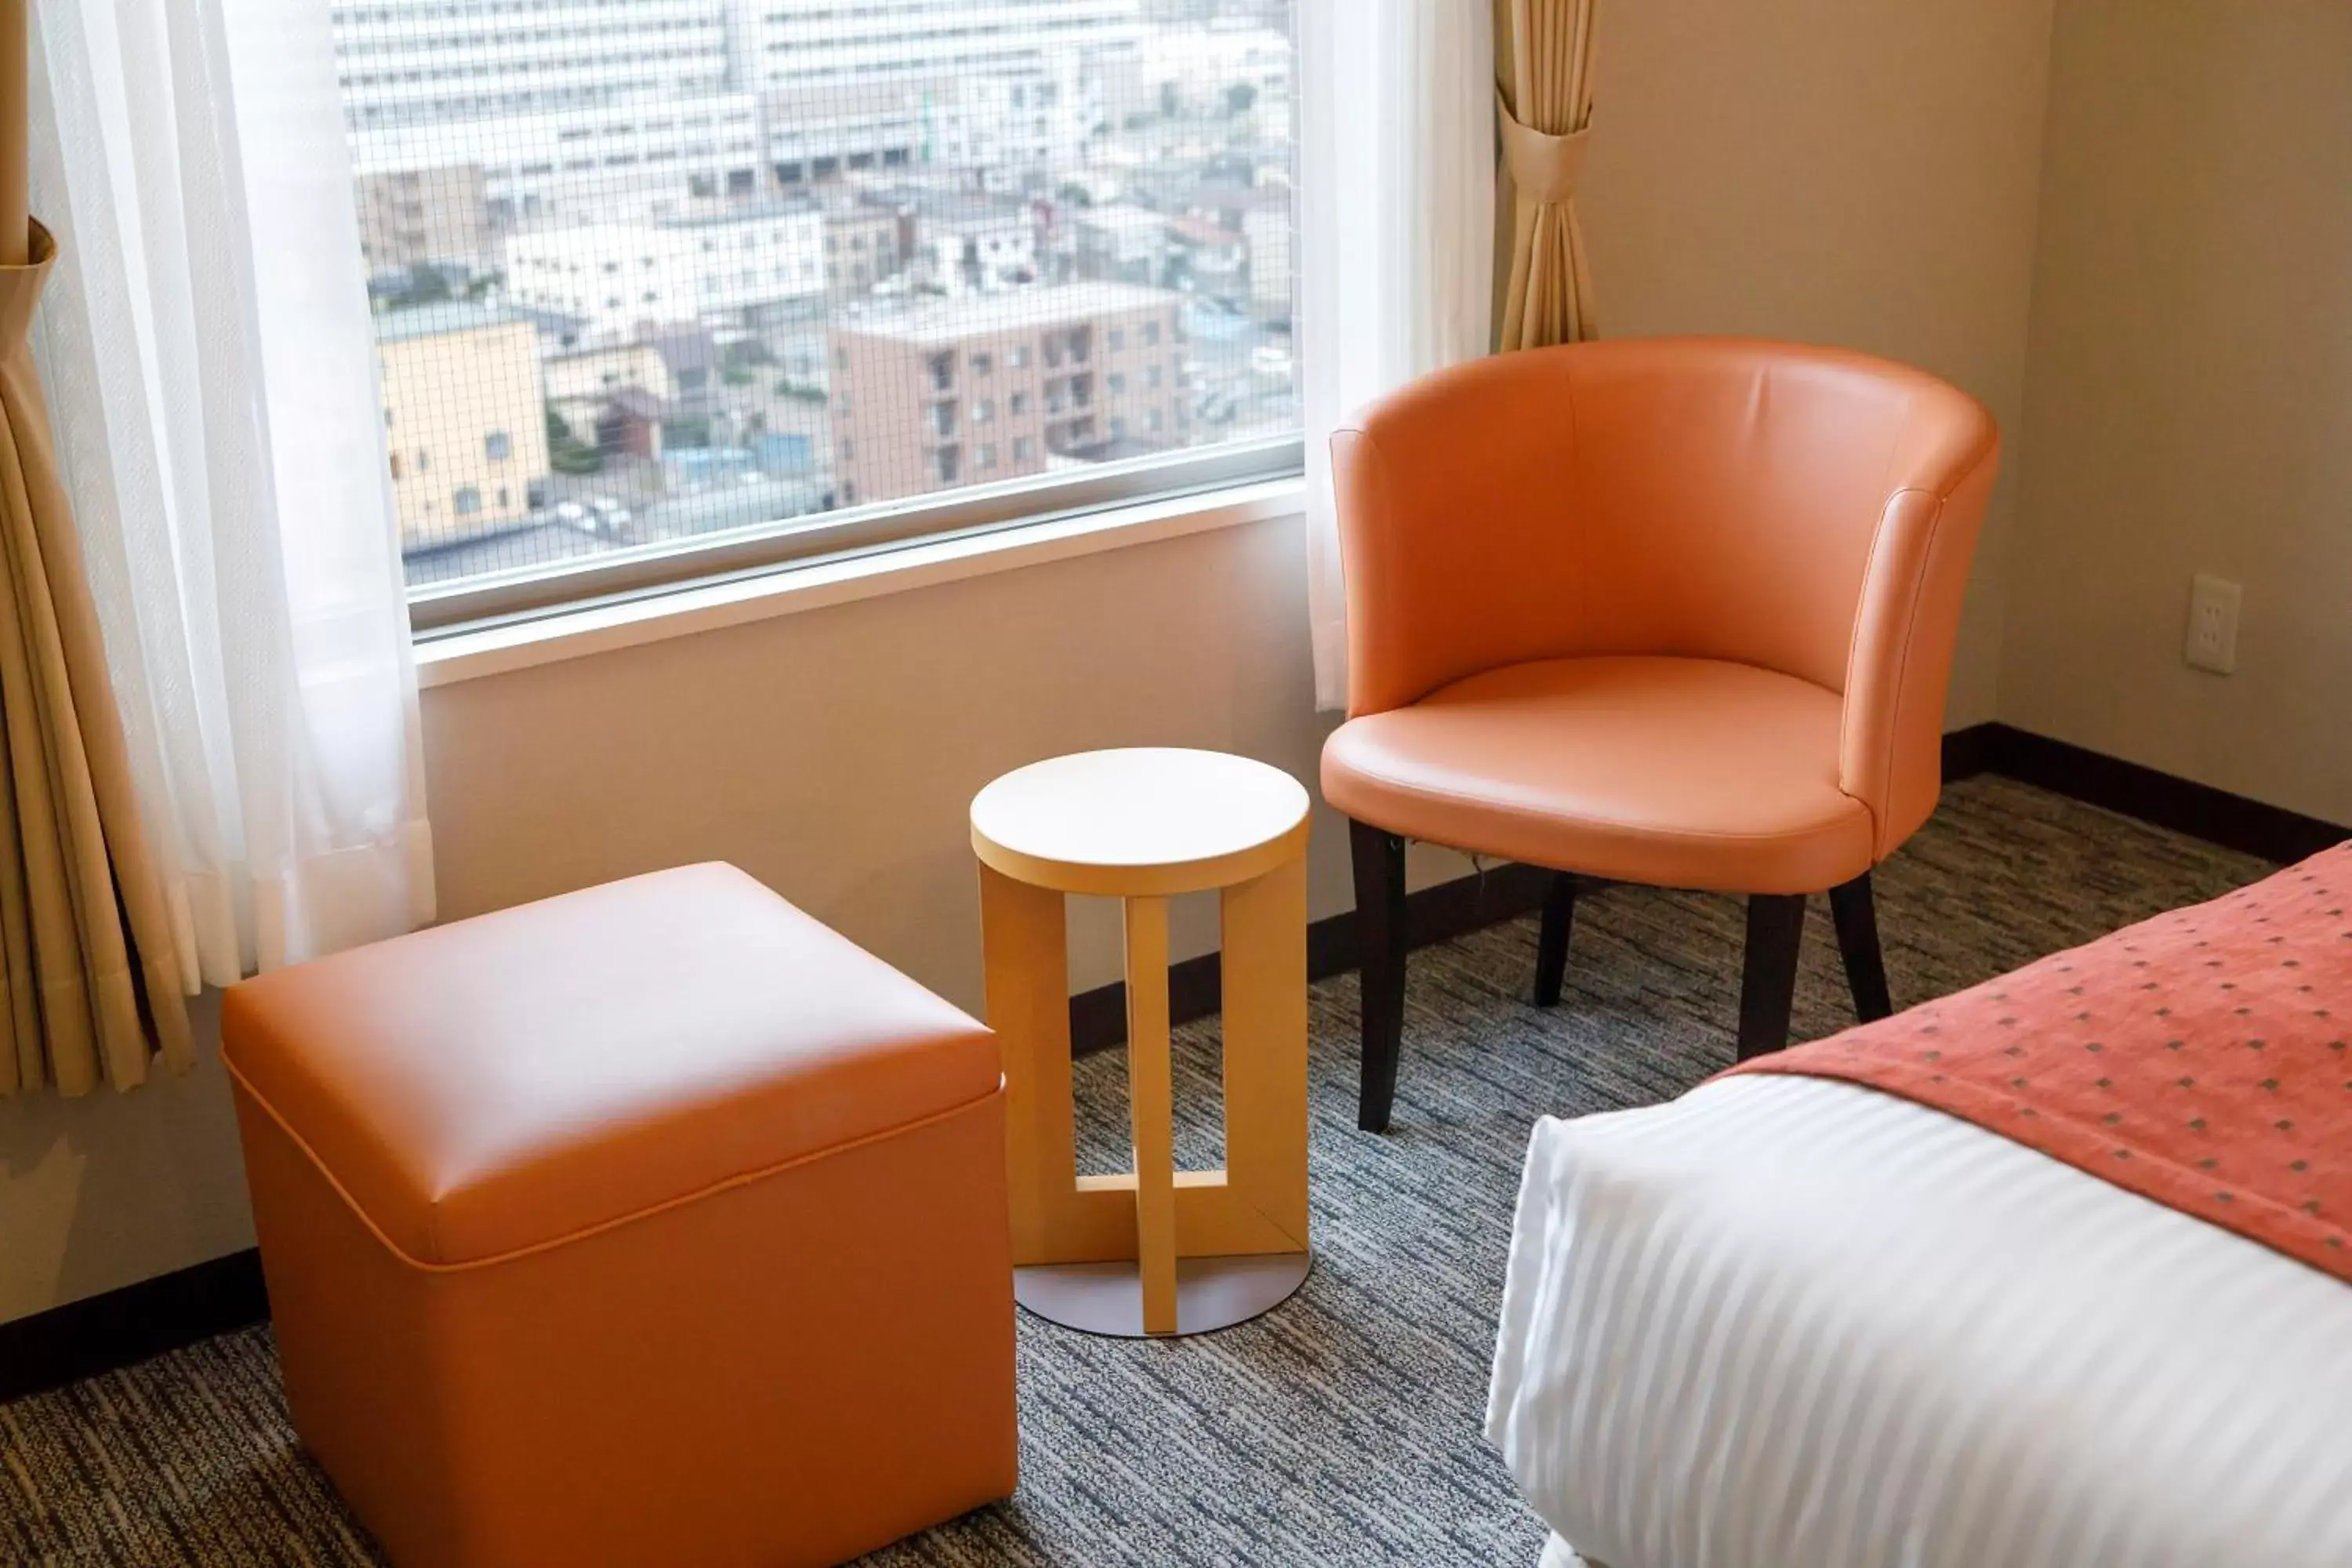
(1788, 1322)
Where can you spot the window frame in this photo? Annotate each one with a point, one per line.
(541, 591)
(974, 503)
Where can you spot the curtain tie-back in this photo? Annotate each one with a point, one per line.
(20, 290)
(1545, 168)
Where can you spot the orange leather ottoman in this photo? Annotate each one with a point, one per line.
(653, 1223)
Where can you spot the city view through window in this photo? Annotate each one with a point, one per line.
(646, 271)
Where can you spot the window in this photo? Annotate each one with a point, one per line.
(602, 274)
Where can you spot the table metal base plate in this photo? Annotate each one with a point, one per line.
(1211, 1292)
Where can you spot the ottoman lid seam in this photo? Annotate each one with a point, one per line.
(744, 1178)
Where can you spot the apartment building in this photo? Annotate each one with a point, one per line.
(618, 277)
(435, 217)
(931, 392)
(465, 416)
(865, 241)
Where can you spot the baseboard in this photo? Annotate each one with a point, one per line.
(102, 1333)
(1967, 752)
(128, 1325)
(2151, 794)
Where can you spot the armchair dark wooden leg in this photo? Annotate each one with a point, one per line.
(1551, 946)
(1857, 933)
(1767, 979)
(1379, 932)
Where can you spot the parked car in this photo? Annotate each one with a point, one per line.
(572, 514)
(613, 518)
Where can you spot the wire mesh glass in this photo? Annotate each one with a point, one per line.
(648, 270)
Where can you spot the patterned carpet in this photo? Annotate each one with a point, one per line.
(1343, 1427)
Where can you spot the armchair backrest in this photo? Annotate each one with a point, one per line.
(1712, 497)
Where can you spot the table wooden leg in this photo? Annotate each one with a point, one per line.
(1027, 974)
(1150, 1095)
(1264, 970)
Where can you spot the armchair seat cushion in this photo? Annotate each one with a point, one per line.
(1684, 773)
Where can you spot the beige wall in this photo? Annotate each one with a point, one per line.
(1856, 171)
(2190, 402)
(1852, 172)
(109, 1189)
(833, 753)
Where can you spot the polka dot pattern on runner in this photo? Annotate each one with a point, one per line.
(2198, 1059)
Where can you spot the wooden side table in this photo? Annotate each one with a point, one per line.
(1154, 1251)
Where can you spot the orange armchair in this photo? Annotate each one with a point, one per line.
(1670, 611)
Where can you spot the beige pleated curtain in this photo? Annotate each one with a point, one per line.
(89, 989)
(1543, 87)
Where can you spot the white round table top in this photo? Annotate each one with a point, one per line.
(1140, 821)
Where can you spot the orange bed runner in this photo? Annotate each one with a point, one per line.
(2199, 1058)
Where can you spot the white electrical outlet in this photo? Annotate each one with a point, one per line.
(2212, 643)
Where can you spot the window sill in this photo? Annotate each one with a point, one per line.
(603, 629)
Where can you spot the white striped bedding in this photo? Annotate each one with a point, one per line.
(1784, 1323)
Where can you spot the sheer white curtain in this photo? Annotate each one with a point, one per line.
(1396, 215)
(207, 346)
